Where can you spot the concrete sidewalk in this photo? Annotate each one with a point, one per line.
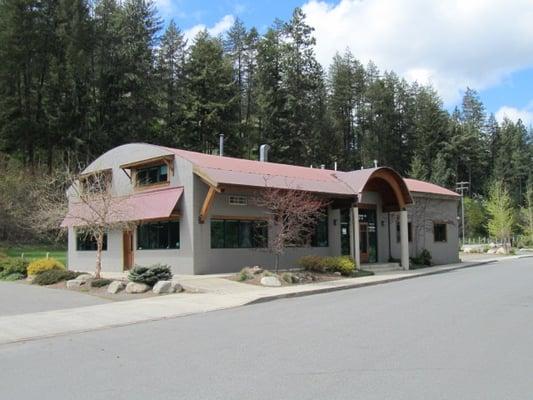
(215, 293)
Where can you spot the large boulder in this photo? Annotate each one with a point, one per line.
(163, 287)
(271, 281)
(115, 287)
(74, 284)
(84, 278)
(134, 287)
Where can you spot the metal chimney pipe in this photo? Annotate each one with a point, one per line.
(375, 163)
(263, 152)
(335, 165)
(322, 166)
(221, 145)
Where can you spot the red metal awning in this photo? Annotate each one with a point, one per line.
(150, 205)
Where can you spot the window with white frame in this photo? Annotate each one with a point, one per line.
(237, 200)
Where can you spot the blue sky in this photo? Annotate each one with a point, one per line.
(452, 44)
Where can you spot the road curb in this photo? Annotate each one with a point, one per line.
(365, 284)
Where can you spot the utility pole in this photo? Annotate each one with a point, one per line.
(461, 187)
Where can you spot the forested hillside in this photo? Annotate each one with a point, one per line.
(79, 77)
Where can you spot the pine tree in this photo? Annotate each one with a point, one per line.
(171, 74)
(212, 98)
(418, 170)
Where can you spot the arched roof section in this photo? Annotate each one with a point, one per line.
(383, 180)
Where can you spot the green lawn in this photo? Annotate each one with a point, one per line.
(33, 253)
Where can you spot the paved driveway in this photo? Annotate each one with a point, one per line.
(20, 298)
(466, 334)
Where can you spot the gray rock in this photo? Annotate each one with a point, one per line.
(134, 287)
(337, 273)
(84, 278)
(115, 287)
(177, 287)
(256, 270)
(271, 281)
(163, 287)
(74, 284)
(501, 250)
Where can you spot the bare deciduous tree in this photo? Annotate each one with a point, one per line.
(291, 217)
(89, 205)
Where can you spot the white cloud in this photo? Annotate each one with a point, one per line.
(449, 43)
(514, 114)
(217, 29)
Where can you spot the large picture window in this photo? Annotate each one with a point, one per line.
(439, 232)
(88, 243)
(158, 235)
(152, 175)
(319, 237)
(229, 234)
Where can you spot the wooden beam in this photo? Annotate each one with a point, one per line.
(210, 196)
(206, 178)
(149, 161)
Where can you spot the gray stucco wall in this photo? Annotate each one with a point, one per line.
(426, 210)
(208, 260)
(180, 260)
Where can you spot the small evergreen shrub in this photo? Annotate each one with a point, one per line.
(343, 264)
(150, 275)
(424, 258)
(97, 283)
(312, 263)
(289, 277)
(12, 265)
(14, 277)
(44, 264)
(54, 276)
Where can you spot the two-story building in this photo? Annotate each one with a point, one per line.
(195, 212)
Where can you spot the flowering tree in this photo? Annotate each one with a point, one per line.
(89, 206)
(291, 217)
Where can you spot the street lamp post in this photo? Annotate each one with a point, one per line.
(462, 187)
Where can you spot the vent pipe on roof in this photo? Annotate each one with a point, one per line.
(322, 166)
(221, 145)
(375, 163)
(335, 165)
(263, 152)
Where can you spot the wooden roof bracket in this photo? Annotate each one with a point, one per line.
(208, 201)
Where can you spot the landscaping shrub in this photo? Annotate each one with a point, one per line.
(150, 275)
(44, 264)
(54, 276)
(344, 264)
(424, 258)
(100, 282)
(14, 277)
(312, 263)
(12, 265)
(289, 277)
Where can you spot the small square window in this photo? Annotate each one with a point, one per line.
(439, 232)
(234, 200)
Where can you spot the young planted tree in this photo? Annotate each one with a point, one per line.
(527, 217)
(501, 214)
(291, 217)
(89, 206)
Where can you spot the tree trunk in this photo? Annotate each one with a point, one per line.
(99, 246)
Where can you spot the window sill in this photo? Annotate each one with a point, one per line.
(142, 188)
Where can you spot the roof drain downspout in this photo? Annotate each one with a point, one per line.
(221, 145)
(263, 152)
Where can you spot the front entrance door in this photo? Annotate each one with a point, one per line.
(127, 243)
(363, 242)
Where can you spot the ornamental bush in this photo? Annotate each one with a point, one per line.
(97, 283)
(12, 265)
(14, 277)
(424, 258)
(150, 275)
(44, 264)
(54, 276)
(343, 264)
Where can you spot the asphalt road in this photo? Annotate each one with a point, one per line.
(20, 298)
(467, 334)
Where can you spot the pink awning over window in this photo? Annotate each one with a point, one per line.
(149, 205)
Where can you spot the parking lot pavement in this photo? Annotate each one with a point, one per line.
(21, 298)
